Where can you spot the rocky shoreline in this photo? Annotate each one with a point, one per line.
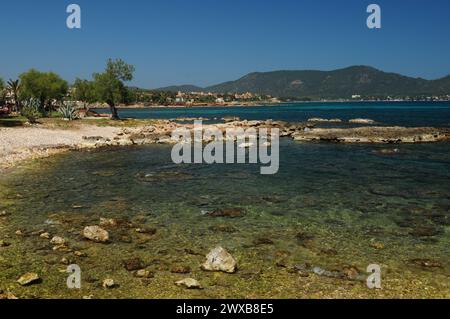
(35, 142)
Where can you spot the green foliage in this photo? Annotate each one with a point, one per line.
(2, 92)
(31, 110)
(68, 111)
(14, 88)
(45, 87)
(84, 91)
(109, 86)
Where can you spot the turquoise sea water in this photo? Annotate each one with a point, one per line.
(386, 113)
(331, 206)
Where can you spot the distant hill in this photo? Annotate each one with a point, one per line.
(342, 83)
(182, 88)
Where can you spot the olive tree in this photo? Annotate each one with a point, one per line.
(109, 85)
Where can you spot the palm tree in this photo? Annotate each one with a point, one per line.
(13, 89)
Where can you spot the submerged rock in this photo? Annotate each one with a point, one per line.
(220, 260)
(303, 237)
(223, 228)
(326, 273)
(29, 279)
(351, 272)
(189, 283)
(108, 222)
(143, 273)
(79, 253)
(377, 245)
(146, 230)
(66, 261)
(388, 151)
(4, 243)
(227, 212)
(425, 231)
(178, 269)
(108, 283)
(45, 235)
(133, 264)
(20, 232)
(96, 234)
(273, 199)
(57, 241)
(425, 263)
(262, 241)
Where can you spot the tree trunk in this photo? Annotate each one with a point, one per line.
(114, 113)
(16, 103)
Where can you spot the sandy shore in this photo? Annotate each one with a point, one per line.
(21, 143)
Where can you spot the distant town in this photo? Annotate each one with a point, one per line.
(153, 98)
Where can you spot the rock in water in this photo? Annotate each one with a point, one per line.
(178, 269)
(361, 121)
(45, 235)
(133, 264)
(4, 243)
(220, 260)
(108, 222)
(143, 273)
(108, 283)
(57, 241)
(189, 283)
(29, 279)
(227, 212)
(96, 234)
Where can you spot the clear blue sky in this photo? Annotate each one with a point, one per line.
(209, 41)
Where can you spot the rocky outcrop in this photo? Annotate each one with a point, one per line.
(376, 135)
(321, 120)
(361, 121)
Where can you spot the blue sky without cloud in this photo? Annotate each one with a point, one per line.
(205, 42)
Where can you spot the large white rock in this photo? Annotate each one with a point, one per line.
(219, 259)
(96, 234)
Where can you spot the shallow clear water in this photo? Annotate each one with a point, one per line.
(330, 206)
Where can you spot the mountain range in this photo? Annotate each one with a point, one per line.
(342, 83)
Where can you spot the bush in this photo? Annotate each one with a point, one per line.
(31, 110)
(68, 111)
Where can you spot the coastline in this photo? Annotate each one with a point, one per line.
(266, 103)
(33, 142)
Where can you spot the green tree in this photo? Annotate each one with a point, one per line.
(2, 92)
(109, 85)
(13, 89)
(84, 91)
(44, 86)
